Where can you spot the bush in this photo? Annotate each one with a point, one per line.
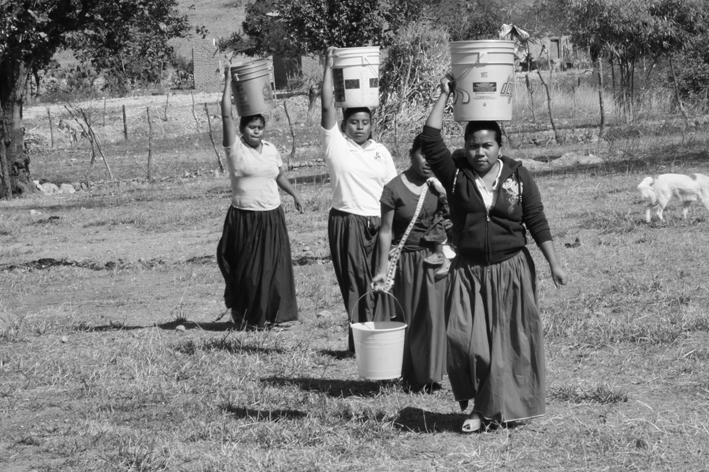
(410, 74)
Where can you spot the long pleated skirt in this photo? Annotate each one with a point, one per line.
(254, 257)
(421, 298)
(352, 247)
(495, 338)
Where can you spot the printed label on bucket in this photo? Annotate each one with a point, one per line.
(351, 84)
(374, 82)
(240, 92)
(484, 87)
(267, 94)
(507, 89)
(339, 84)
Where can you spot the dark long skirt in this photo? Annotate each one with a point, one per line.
(255, 259)
(352, 246)
(422, 301)
(495, 338)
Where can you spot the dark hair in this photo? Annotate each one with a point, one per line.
(245, 120)
(416, 146)
(347, 112)
(474, 126)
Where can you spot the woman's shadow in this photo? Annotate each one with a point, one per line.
(416, 420)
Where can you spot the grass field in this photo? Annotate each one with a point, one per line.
(98, 375)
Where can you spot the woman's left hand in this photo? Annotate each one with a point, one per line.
(559, 276)
(299, 203)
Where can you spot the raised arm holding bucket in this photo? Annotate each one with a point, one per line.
(254, 251)
(359, 168)
(495, 339)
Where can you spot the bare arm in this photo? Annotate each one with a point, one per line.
(558, 274)
(228, 128)
(285, 185)
(384, 236)
(435, 118)
(329, 115)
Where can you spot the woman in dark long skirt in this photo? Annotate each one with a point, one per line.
(418, 292)
(359, 167)
(495, 339)
(254, 251)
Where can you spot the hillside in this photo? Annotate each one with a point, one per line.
(221, 17)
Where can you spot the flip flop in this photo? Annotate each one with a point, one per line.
(472, 424)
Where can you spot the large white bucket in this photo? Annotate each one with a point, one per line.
(484, 72)
(379, 347)
(355, 74)
(251, 85)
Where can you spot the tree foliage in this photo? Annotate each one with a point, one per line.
(135, 48)
(292, 27)
(31, 31)
(265, 32)
(626, 31)
(469, 20)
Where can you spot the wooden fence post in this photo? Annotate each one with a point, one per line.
(194, 115)
(125, 124)
(150, 146)
(51, 127)
(211, 138)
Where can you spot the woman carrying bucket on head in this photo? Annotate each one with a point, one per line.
(359, 167)
(414, 218)
(495, 339)
(254, 253)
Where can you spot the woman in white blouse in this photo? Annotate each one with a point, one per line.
(254, 253)
(359, 168)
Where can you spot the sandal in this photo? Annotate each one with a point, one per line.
(472, 424)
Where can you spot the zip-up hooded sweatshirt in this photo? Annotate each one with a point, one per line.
(487, 237)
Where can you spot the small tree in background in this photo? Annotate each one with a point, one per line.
(112, 32)
(263, 33)
(415, 62)
(313, 25)
(627, 31)
(469, 20)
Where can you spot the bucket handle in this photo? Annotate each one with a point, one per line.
(373, 292)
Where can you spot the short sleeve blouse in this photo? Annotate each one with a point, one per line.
(398, 197)
(253, 176)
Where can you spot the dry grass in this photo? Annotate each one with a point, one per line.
(96, 375)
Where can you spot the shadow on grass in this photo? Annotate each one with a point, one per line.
(262, 415)
(416, 420)
(232, 346)
(334, 387)
(204, 325)
(105, 328)
(337, 355)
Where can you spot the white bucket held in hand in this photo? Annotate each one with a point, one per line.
(379, 347)
(251, 85)
(484, 72)
(355, 75)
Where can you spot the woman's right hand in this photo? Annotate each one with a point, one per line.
(447, 84)
(329, 56)
(378, 282)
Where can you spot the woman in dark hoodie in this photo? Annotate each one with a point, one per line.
(495, 339)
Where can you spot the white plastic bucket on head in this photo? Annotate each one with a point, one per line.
(484, 72)
(251, 85)
(379, 347)
(355, 75)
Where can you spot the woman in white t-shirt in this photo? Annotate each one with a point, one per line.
(254, 251)
(359, 168)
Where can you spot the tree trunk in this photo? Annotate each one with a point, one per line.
(13, 76)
